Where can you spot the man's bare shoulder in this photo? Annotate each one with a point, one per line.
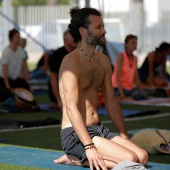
(102, 58)
(98, 53)
(70, 61)
(70, 57)
(152, 54)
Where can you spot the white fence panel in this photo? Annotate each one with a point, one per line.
(43, 26)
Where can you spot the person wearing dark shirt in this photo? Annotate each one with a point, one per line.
(55, 61)
(41, 70)
(153, 69)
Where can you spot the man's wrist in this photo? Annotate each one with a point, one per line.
(125, 136)
(89, 146)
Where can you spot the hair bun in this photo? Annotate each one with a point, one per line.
(74, 10)
(164, 46)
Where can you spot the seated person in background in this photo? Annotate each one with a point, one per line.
(54, 66)
(153, 69)
(41, 71)
(23, 43)
(104, 49)
(13, 71)
(125, 74)
(111, 49)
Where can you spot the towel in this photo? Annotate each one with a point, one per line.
(127, 165)
(153, 141)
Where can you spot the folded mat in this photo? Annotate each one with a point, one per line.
(42, 158)
(154, 141)
(153, 101)
(128, 113)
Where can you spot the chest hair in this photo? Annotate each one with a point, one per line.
(92, 75)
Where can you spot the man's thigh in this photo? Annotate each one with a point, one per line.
(111, 149)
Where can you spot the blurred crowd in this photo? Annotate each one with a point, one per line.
(128, 81)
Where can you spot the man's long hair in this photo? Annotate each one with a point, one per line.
(80, 18)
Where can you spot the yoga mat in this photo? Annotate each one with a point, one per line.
(128, 113)
(38, 92)
(41, 122)
(46, 107)
(151, 102)
(3, 140)
(42, 158)
(15, 124)
(3, 111)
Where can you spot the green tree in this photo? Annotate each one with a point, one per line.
(17, 3)
(65, 2)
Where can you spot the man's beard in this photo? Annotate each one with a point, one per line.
(94, 40)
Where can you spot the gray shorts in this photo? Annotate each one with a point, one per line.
(73, 146)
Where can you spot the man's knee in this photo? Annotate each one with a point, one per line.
(143, 157)
(131, 156)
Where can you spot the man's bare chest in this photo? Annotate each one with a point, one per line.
(92, 76)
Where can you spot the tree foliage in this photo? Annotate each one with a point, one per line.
(65, 2)
(17, 3)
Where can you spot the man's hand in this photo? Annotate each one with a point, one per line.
(95, 159)
(124, 135)
(11, 89)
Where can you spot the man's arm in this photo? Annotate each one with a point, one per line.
(55, 88)
(151, 68)
(71, 94)
(25, 71)
(5, 76)
(137, 79)
(112, 105)
(118, 75)
(71, 74)
(164, 67)
(46, 59)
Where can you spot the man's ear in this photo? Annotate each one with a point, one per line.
(82, 31)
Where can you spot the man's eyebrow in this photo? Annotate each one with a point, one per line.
(100, 25)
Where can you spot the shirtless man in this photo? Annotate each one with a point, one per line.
(84, 139)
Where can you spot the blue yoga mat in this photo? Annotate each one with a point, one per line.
(46, 107)
(127, 113)
(41, 158)
(3, 140)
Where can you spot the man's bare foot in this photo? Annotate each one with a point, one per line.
(68, 159)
